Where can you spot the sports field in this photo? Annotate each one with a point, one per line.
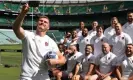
(10, 63)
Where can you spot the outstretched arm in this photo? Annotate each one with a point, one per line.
(18, 30)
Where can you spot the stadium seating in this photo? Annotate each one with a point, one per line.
(92, 9)
(3, 39)
(15, 7)
(8, 37)
(73, 9)
(55, 35)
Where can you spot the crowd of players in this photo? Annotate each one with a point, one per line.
(98, 54)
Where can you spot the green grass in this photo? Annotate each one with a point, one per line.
(12, 59)
(11, 73)
(15, 46)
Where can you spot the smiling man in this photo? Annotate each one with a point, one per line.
(119, 41)
(36, 47)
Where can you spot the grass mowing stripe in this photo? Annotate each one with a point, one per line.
(10, 58)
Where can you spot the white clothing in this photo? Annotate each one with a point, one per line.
(97, 42)
(39, 76)
(127, 66)
(92, 33)
(106, 62)
(109, 32)
(74, 42)
(119, 43)
(82, 41)
(72, 60)
(67, 42)
(128, 28)
(35, 49)
(79, 33)
(86, 61)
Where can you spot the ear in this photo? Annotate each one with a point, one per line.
(48, 27)
(111, 48)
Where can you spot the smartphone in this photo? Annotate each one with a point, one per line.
(34, 3)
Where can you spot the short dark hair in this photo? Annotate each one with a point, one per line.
(114, 18)
(82, 22)
(127, 45)
(92, 46)
(73, 30)
(129, 13)
(100, 26)
(60, 44)
(118, 24)
(43, 17)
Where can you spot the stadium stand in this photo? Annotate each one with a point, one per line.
(70, 10)
(73, 9)
(66, 17)
(56, 35)
(8, 37)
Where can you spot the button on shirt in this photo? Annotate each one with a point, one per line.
(106, 62)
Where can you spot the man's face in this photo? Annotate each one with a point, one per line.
(99, 31)
(129, 50)
(114, 22)
(71, 49)
(74, 34)
(88, 49)
(43, 25)
(82, 25)
(118, 28)
(94, 24)
(85, 32)
(130, 17)
(68, 34)
(105, 48)
(61, 48)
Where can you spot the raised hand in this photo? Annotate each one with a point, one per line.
(25, 8)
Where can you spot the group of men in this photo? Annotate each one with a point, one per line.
(91, 55)
(118, 37)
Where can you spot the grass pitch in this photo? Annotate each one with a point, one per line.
(13, 59)
(11, 73)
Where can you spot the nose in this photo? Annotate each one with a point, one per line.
(41, 23)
